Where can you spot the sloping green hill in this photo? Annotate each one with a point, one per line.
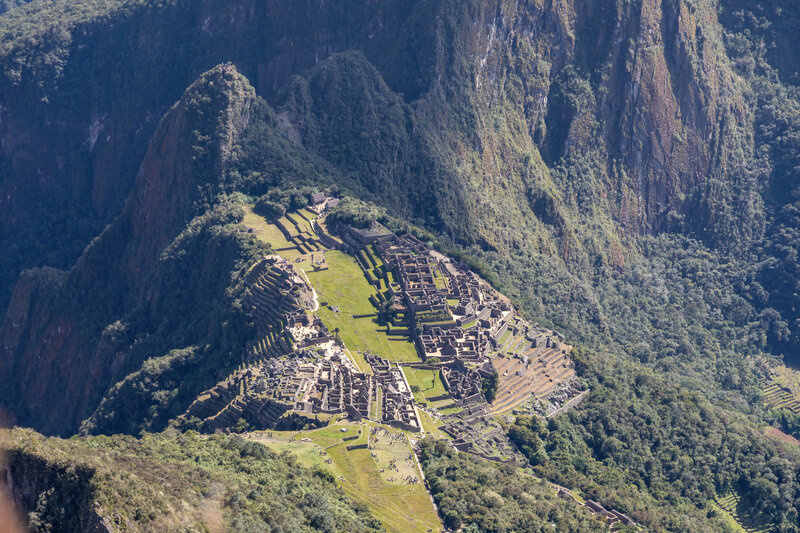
(171, 482)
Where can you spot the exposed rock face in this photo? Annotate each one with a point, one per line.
(53, 353)
(646, 83)
(44, 490)
(73, 133)
(661, 97)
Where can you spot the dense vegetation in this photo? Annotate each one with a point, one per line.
(278, 201)
(6, 5)
(660, 452)
(482, 496)
(172, 481)
(489, 386)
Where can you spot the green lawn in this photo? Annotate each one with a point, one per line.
(450, 410)
(374, 255)
(331, 435)
(377, 403)
(265, 231)
(429, 381)
(388, 450)
(308, 454)
(300, 222)
(344, 285)
(439, 279)
(308, 215)
(270, 233)
(431, 425)
(399, 507)
(288, 226)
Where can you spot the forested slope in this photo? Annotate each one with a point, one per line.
(170, 482)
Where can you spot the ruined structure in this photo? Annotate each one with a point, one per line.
(469, 328)
(459, 324)
(319, 203)
(295, 366)
(397, 402)
(274, 290)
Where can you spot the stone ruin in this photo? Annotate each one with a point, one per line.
(315, 378)
(461, 325)
(320, 203)
(462, 322)
(397, 407)
(274, 290)
(469, 331)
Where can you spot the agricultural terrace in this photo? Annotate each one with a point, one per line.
(291, 236)
(342, 285)
(732, 506)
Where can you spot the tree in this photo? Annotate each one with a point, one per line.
(452, 520)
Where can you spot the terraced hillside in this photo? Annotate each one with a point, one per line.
(290, 235)
(332, 325)
(463, 331)
(348, 296)
(530, 367)
(732, 505)
(270, 298)
(780, 397)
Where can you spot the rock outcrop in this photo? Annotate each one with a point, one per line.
(53, 349)
(657, 97)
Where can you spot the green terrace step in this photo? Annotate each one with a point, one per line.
(293, 218)
(366, 259)
(306, 214)
(730, 504)
(370, 277)
(363, 257)
(373, 254)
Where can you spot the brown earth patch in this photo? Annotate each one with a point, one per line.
(778, 435)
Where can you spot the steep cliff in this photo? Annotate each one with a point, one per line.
(85, 86)
(488, 82)
(525, 129)
(625, 171)
(71, 353)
